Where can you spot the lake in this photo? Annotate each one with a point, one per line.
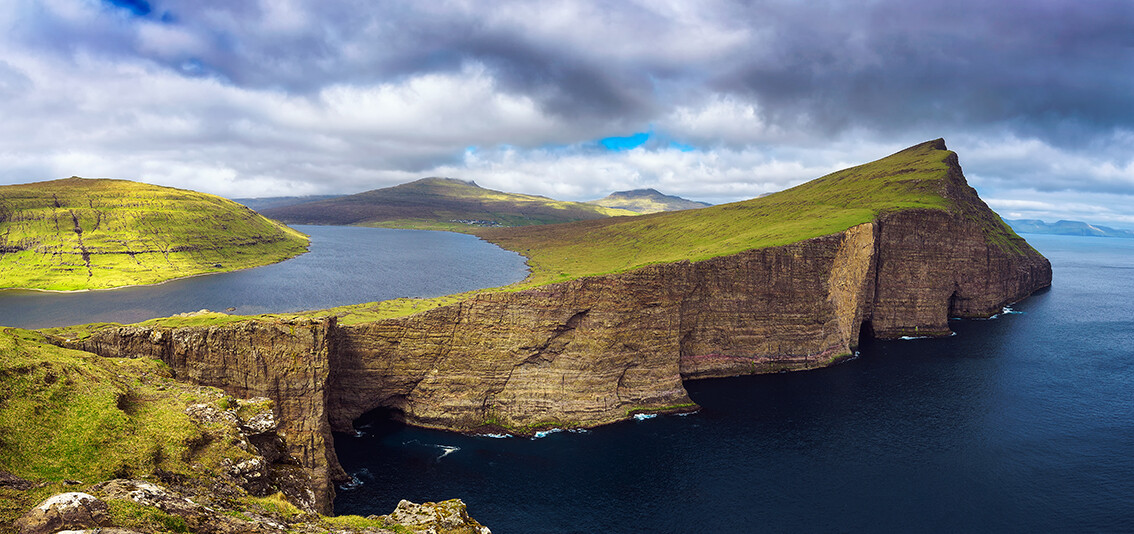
(1022, 423)
(345, 265)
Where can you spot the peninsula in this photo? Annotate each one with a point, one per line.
(619, 312)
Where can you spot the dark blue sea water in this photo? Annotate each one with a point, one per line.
(345, 265)
(1022, 423)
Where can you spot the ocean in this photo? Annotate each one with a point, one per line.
(1020, 423)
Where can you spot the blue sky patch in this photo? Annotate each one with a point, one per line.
(139, 8)
(682, 146)
(625, 143)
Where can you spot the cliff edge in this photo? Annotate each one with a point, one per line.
(888, 249)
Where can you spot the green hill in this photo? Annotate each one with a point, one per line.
(440, 204)
(921, 176)
(80, 233)
(647, 201)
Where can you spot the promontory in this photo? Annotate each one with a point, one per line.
(619, 312)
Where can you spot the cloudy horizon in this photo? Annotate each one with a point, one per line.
(715, 101)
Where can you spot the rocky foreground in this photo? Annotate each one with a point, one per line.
(256, 494)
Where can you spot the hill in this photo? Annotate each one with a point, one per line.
(1080, 228)
(647, 201)
(439, 204)
(921, 176)
(81, 233)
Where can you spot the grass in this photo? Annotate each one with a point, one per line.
(275, 504)
(76, 233)
(131, 515)
(440, 204)
(68, 414)
(373, 311)
(918, 177)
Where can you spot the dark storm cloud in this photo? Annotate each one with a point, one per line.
(1057, 70)
(322, 97)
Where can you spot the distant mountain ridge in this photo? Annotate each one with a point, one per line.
(647, 201)
(263, 203)
(440, 204)
(1063, 227)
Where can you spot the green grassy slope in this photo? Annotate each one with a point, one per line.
(439, 204)
(94, 234)
(73, 415)
(70, 419)
(647, 201)
(918, 177)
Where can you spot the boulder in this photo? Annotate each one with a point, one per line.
(447, 517)
(73, 510)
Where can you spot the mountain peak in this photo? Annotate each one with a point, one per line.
(647, 201)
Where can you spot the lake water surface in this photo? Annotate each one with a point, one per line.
(345, 265)
(1023, 423)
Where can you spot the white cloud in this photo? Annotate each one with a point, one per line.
(297, 96)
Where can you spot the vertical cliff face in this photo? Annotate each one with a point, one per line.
(598, 349)
(959, 262)
(288, 362)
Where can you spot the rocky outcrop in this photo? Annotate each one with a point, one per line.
(449, 517)
(285, 361)
(123, 506)
(599, 349)
(73, 510)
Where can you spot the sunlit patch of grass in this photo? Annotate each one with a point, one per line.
(77, 234)
(67, 414)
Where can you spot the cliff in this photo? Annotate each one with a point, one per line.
(287, 362)
(597, 349)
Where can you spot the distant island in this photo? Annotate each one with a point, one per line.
(1079, 228)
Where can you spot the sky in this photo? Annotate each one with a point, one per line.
(714, 100)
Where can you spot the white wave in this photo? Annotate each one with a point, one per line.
(358, 433)
(354, 484)
(447, 450)
(494, 436)
(545, 433)
(644, 416)
(908, 338)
